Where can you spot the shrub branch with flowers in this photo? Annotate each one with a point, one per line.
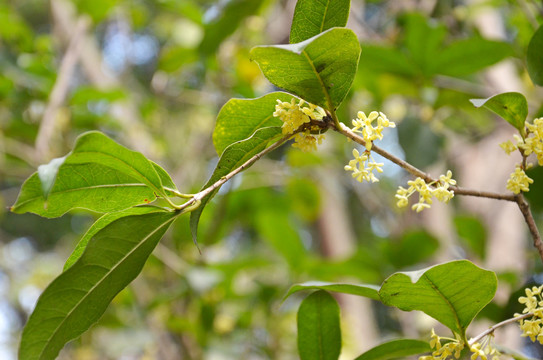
(113, 251)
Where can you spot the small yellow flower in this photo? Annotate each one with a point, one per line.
(307, 142)
(362, 167)
(295, 114)
(519, 181)
(508, 147)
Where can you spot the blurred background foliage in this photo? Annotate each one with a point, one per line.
(153, 74)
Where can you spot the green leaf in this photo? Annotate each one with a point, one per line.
(82, 186)
(319, 70)
(472, 232)
(98, 175)
(165, 179)
(222, 19)
(534, 57)
(76, 299)
(233, 156)
(396, 349)
(511, 106)
(384, 59)
(313, 17)
(240, 118)
(423, 38)
(95, 147)
(101, 223)
(319, 335)
(452, 293)
(467, 56)
(275, 227)
(369, 291)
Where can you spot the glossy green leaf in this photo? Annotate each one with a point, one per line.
(313, 17)
(76, 299)
(319, 334)
(534, 57)
(95, 147)
(511, 106)
(165, 179)
(467, 56)
(233, 156)
(222, 19)
(369, 291)
(452, 293)
(396, 349)
(98, 175)
(319, 70)
(240, 118)
(93, 187)
(101, 223)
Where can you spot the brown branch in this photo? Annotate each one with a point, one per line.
(60, 89)
(528, 217)
(498, 325)
(417, 172)
(519, 199)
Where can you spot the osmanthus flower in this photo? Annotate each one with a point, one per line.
(452, 348)
(363, 166)
(530, 143)
(519, 181)
(364, 125)
(533, 301)
(439, 189)
(294, 115)
(307, 142)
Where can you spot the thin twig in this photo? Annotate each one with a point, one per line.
(498, 325)
(528, 217)
(519, 199)
(60, 89)
(199, 196)
(417, 172)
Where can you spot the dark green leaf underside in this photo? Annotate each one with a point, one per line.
(396, 349)
(319, 334)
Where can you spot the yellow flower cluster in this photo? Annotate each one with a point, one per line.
(485, 349)
(532, 143)
(307, 142)
(363, 165)
(438, 189)
(364, 125)
(533, 301)
(519, 181)
(453, 347)
(295, 114)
